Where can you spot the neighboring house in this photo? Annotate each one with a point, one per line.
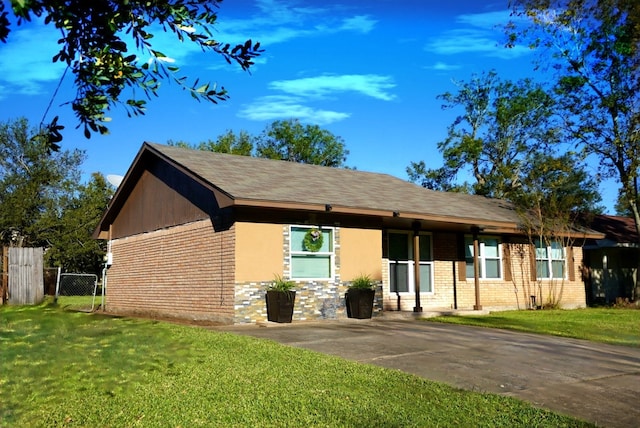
(612, 262)
(199, 235)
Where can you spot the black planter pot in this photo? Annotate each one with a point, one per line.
(280, 305)
(360, 303)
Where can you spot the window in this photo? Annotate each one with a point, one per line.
(489, 257)
(401, 270)
(550, 260)
(308, 264)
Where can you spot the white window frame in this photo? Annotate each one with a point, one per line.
(482, 258)
(411, 263)
(331, 254)
(549, 259)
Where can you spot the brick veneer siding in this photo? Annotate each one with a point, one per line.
(494, 294)
(184, 272)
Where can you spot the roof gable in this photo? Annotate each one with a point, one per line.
(256, 181)
(248, 183)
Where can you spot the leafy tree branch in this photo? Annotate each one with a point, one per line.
(96, 38)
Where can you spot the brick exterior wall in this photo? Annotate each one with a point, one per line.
(188, 272)
(494, 294)
(184, 272)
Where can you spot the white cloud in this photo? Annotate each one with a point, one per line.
(285, 107)
(371, 85)
(278, 22)
(442, 66)
(302, 93)
(487, 20)
(360, 23)
(25, 60)
(479, 33)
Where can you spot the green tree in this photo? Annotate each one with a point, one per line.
(555, 197)
(557, 190)
(229, 142)
(291, 141)
(69, 240)
(283, 140)
(595, 48)
(442, 179)
(622, 207)
(502, 123)
(96, 38)
(33, 180)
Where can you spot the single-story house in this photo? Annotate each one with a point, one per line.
(611, 263)
(199, 235)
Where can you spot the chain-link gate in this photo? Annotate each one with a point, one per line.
(78, 291)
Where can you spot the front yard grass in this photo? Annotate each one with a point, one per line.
(71, 369)
(615, 326)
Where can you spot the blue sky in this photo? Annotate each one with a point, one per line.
(368, 72)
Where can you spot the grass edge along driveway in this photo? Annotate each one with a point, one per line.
(606, 325)
(72, 369)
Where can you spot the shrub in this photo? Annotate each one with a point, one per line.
(281, 284)
(362, 282)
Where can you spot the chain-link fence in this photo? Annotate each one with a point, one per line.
(78, 291)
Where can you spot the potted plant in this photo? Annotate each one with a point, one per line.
(359, 297)
(280, 299)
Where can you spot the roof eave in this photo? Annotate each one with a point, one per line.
(494, 226)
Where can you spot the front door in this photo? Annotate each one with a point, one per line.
(401, 263)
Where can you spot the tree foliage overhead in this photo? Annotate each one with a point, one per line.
(595, 48)
(97, 38)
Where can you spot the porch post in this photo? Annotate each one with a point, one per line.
(476, 268)
(416, 265)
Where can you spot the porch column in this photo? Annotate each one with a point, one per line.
(416, 265)
(476, 268)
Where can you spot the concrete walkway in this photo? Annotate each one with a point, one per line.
(594, 382)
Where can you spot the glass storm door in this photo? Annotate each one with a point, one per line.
(401, 271)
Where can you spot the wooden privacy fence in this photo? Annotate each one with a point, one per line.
(22, 276)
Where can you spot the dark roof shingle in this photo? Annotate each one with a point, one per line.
(265, 180)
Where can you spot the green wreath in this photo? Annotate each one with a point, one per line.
(313, 240)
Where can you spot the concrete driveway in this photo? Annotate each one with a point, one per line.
(595, 382)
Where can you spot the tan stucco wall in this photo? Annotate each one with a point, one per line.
(258, 251)
(360, 253)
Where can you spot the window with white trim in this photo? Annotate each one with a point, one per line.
(550, 260)
(316, 262)
(489, 257)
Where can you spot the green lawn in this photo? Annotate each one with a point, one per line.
(608, 325)
(60, 368)
(79, 303)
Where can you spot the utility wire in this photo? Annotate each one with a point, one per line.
(54, 95)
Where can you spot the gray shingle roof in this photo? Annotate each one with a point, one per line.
(262, 180)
